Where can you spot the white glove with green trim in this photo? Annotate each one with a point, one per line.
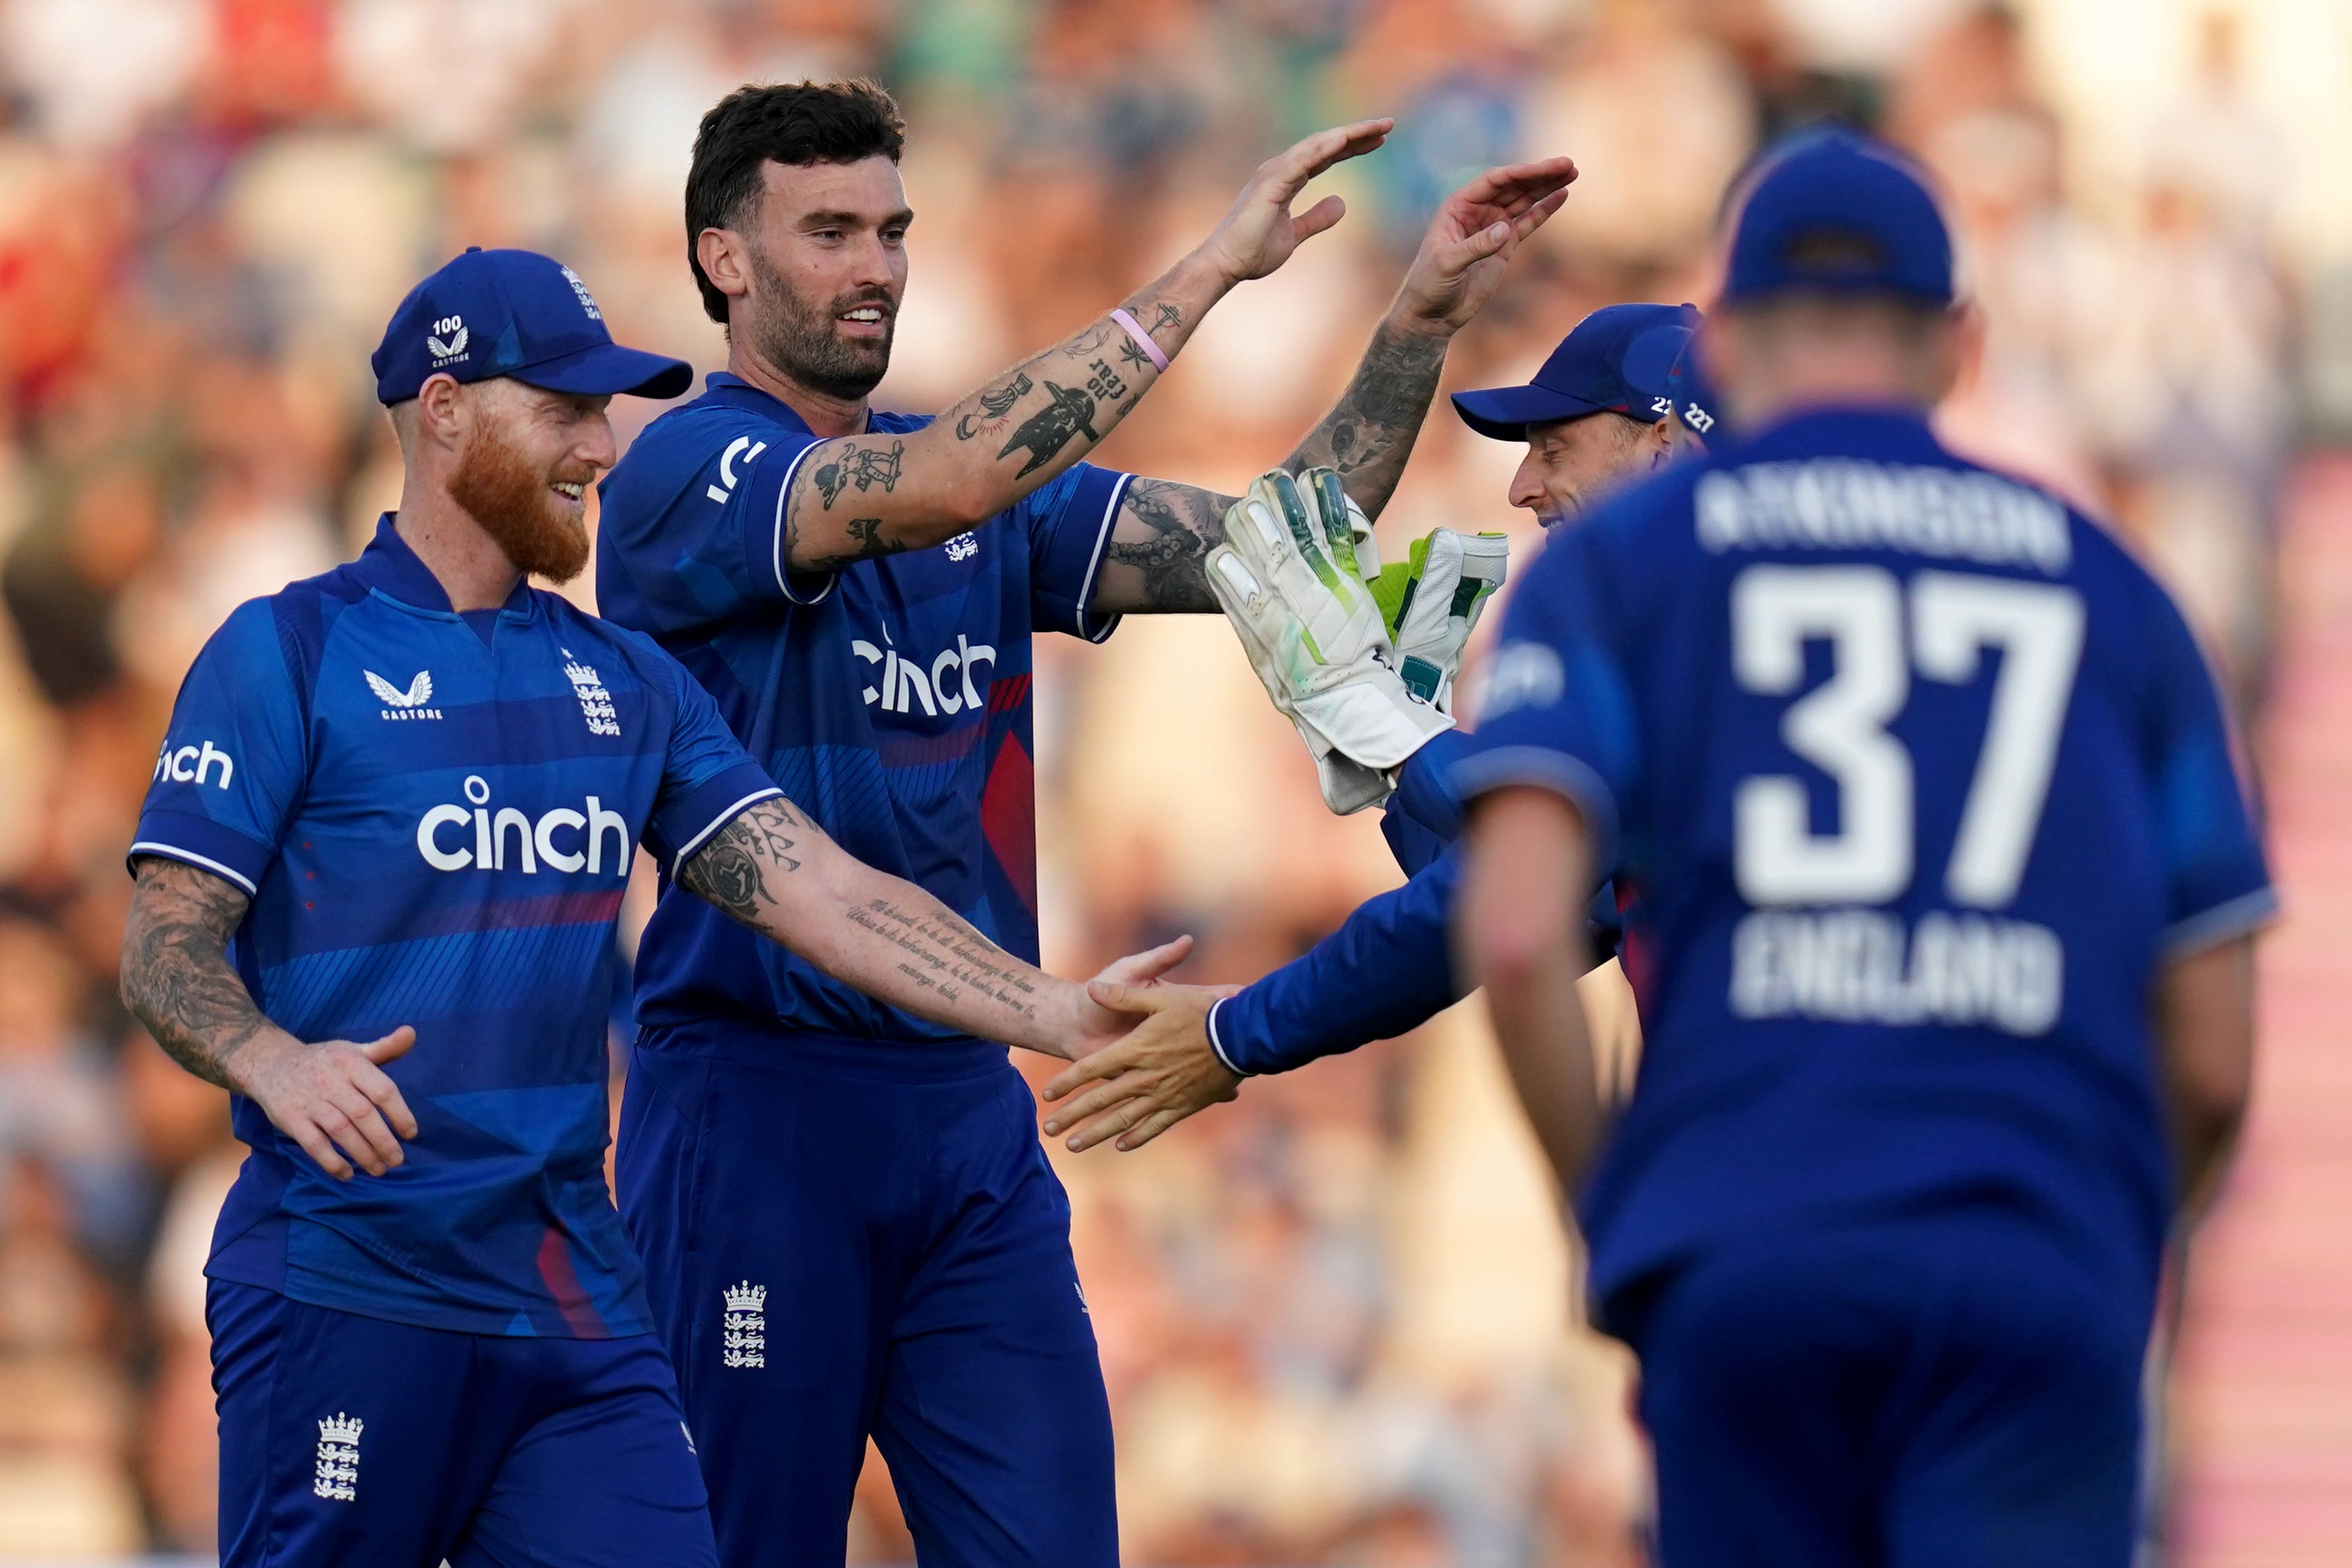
(1288, 579)
(1432, 602)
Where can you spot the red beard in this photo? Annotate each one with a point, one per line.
(503, 491)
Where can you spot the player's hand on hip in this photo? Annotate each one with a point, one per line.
(333, 1098)
(1470, 242)
(1260, 232)
(1161, 1073)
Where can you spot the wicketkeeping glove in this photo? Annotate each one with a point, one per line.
(1288, 579)
(1432, 602)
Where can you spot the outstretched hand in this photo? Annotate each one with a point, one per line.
(1098, 1026)
(1259, 232)
(1162, 1072)
(1469, 244)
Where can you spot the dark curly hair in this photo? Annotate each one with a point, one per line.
(786, 122)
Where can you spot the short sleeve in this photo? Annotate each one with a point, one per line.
(707, 779)
(2217, 885)
(690, 526)
(1557, 711)
(234, 759)
(1068, 523)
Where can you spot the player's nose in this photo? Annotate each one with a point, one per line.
(594, 445)
(1527, 484)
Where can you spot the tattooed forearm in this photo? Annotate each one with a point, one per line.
(1369, 432)
(1019, 430)
(176, 978)
(736, 871)
(948, 957)
(1156, 560)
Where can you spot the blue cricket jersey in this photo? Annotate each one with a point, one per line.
(434, 829)
(891, 700)
(1917, 778)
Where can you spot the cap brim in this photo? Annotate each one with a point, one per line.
(608, 369)
(1504, 413)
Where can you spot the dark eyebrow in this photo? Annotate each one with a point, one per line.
(853, 220)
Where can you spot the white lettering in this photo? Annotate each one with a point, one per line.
(599, 822)
(492, 832)
(545, 837)
(1860, 966)
(442, 860)
(949, 701)
(509, 817)
(910, 678)
(1844, 503)
(181, 770)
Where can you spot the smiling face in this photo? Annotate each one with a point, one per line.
(821, 267)
(1572, 465)
(524, 472)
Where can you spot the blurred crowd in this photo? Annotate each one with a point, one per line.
(1336, 1316)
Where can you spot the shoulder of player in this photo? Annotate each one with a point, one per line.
(593, 639)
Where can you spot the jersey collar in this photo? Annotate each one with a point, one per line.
(391, 568)
(1876, 430)
(728, 387)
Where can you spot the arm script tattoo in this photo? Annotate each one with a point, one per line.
(176, 979)
(1369, 432)
(740, 870)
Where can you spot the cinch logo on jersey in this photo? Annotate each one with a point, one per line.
(193, 764)
(442, 840)
(943, 686)
(1845, 503)
(1860, 966)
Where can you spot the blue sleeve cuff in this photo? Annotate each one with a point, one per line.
(1217, 1038)
(2222, 923)
(1091, 510)
(680, 829)
(201, 842)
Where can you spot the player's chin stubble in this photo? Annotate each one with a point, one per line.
(507, 493)
(802, 341)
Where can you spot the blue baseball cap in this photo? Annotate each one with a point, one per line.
(513, 313)
(1618, 360)
(1832, 212)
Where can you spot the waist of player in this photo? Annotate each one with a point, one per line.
(776, 1045)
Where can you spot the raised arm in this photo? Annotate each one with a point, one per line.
(1165, 529)
(332, 1098)
(779, 873)
(863, 496)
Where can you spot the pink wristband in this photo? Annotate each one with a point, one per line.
(1142, 338)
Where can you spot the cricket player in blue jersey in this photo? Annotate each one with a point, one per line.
(858, 591)
(1616, 401)
(1944, 887)
(377, 876)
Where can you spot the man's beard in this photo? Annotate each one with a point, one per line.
(508, 495)
(801, 341)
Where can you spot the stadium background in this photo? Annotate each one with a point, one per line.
(1332, 1314)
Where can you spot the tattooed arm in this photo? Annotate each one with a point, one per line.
(776, 871)
(861, 496)
(1165, 531)
(333, 1098)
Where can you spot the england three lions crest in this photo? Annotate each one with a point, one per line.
(337, 1476)
(745, 1334)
